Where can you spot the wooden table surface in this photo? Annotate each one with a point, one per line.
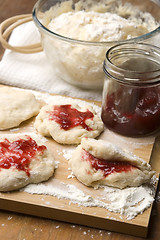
(22, 227)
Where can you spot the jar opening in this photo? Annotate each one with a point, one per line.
(133, 63)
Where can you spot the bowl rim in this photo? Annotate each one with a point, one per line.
(72, 40)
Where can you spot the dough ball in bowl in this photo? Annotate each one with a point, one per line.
(77, 34)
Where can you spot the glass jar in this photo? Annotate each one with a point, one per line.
(131, 93)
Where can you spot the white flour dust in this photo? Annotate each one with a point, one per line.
(128, 202)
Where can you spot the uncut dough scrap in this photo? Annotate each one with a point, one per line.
(16, 106)
(89, 176)
(41, 169)
(74, 135)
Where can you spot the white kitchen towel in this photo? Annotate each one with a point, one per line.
(32, 71)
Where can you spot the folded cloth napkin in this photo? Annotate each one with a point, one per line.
(32, 71)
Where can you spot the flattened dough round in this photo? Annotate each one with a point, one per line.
(48, 127)
(16, 106)
(40, 168)
(85, 172)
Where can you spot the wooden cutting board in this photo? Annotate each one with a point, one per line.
(64, 210)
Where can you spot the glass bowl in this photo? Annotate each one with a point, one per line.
(78, 61)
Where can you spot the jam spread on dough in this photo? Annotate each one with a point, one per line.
(106, 166)
(69, 117)
(19, 153)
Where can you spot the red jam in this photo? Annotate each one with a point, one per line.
(69, 117)
(19, 154)
(107, 167)
(132, 111)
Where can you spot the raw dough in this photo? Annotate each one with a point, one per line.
(48, 127)
(16, 106)
(96, 21)
(16, 170)
(95, 27)
(81, 166)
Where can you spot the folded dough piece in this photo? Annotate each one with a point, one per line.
(68, 123)
(24, 159)
(16, 106)
(97, 162)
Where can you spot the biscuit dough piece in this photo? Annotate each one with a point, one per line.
(68, 124)
(23, 160)
(16, 106)
(97, 162)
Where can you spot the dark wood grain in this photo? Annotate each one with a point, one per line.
(21, 227)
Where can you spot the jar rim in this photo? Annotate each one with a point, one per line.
(128, 76)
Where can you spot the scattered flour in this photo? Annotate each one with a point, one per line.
(128, 202)
(67, 153)
(71, 176)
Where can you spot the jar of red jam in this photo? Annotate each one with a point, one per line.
(131, 93)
